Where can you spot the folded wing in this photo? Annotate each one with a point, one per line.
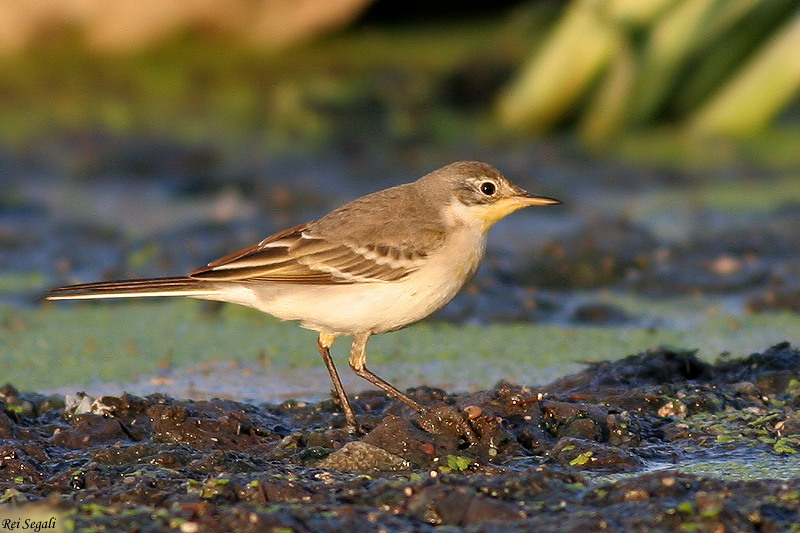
(298, 256)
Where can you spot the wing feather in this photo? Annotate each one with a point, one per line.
(298, 256)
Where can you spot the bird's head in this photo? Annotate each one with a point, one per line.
(477, 193)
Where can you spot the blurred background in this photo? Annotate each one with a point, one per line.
(145, 138)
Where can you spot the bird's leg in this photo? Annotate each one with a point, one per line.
(358, 362)
(324, 344)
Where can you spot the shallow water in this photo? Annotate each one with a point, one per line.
(743, 466)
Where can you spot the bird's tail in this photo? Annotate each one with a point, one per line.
(178, 286)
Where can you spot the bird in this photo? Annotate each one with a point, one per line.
(376, 264)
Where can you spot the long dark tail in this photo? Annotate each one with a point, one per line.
(135, 288)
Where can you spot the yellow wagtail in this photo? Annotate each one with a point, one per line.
(376, 264)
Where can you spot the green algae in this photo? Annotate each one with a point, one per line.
(76, 344)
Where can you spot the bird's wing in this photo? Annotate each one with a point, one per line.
(297, 255)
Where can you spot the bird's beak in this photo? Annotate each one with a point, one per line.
(527, 199)
(505, 206)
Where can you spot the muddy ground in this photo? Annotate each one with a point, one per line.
(607, 449)
(603, 450)
(505, 459)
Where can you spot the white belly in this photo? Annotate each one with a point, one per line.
(375, 307)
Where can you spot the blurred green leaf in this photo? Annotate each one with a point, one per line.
(759, 91)
(709, 66)
(555, 78)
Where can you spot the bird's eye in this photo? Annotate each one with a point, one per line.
(488, 188)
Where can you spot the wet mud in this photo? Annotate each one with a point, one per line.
(601, 450)
(756, 258)
(598, 450)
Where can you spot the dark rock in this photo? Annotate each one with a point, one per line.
(402, 438)
(361, 456)
(589, 455)
(504, 459)
(460, 506)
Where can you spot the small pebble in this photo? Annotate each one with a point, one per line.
(473, 412)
